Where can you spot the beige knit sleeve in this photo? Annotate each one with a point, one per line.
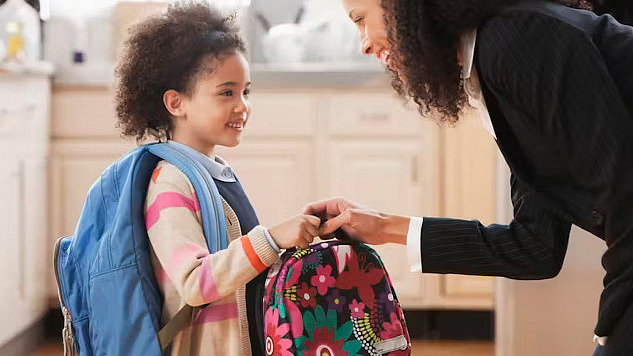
(174, 226)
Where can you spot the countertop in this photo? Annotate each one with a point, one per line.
(26, 69)
(274, 76)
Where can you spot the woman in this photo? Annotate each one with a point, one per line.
(554, 85)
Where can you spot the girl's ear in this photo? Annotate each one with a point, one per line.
(173, 101)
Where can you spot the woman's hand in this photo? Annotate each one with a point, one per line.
(298, 231)
(361, 224)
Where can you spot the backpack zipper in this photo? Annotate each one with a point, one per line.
(67, 333)
(394, 344)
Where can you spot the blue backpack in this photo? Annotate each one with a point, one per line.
(109, 297)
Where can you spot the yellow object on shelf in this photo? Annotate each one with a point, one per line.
(15, 46)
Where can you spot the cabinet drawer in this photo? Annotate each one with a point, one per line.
(83, 112)
(23, 108)
(282, 114)
(379, 114)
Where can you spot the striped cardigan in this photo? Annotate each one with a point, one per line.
(188, 273)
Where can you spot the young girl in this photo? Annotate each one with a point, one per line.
(184, 78)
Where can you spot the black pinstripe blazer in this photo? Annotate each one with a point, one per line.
(558, 83)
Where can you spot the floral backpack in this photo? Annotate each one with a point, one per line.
(333, 299)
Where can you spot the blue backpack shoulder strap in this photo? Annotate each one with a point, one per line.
(206, 191)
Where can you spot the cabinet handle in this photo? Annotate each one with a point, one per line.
(414, 169)
(30, 110)
(375, 116)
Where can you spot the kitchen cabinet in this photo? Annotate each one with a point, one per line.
(468, 180)
(306, 144)
(277, 176)
(24, 123)
(386, 176)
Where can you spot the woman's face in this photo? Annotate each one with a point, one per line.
(369, 17)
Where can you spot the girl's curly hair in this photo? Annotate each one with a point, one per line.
(425, 34)
(166, 52)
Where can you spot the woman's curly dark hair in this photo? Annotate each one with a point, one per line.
(167, 52)
(425, 35)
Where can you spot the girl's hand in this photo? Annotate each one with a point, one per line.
(298, 231)
(360, 224)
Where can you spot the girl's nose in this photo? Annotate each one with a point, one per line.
(242, 106)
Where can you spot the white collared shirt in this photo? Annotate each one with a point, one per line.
(217, 167)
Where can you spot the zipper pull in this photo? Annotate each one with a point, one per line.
(67, 334)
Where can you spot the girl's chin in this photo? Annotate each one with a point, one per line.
(233, 142)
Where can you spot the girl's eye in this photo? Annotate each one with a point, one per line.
(359, 20)
(247, 92)
(227, 93)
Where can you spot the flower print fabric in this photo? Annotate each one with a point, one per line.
(323, 280)
(276, 345)
(333, 299)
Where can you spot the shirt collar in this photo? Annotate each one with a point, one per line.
(217, 167)
(467, 42)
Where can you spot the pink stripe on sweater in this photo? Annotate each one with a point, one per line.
(207, 283)
(187, 252)
(196, 202)
(169, 200)
(216, 313)
(161, 276)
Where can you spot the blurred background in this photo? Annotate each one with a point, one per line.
(325, 123)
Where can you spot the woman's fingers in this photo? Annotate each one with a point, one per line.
(336, 222)
(330, 207)
(317, 208)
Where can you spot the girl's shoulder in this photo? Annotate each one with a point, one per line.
(167, 177)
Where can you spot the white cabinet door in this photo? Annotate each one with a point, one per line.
(385, 176)
(11, 233)
(23, 143)
(12, 239)
(278, 177)
(37, 255)
(11, 189)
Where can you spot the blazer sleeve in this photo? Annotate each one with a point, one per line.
(532, 246)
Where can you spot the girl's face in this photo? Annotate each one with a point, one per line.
(369, 17)
(218, 109)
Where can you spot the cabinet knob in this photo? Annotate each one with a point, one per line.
(30, 110)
